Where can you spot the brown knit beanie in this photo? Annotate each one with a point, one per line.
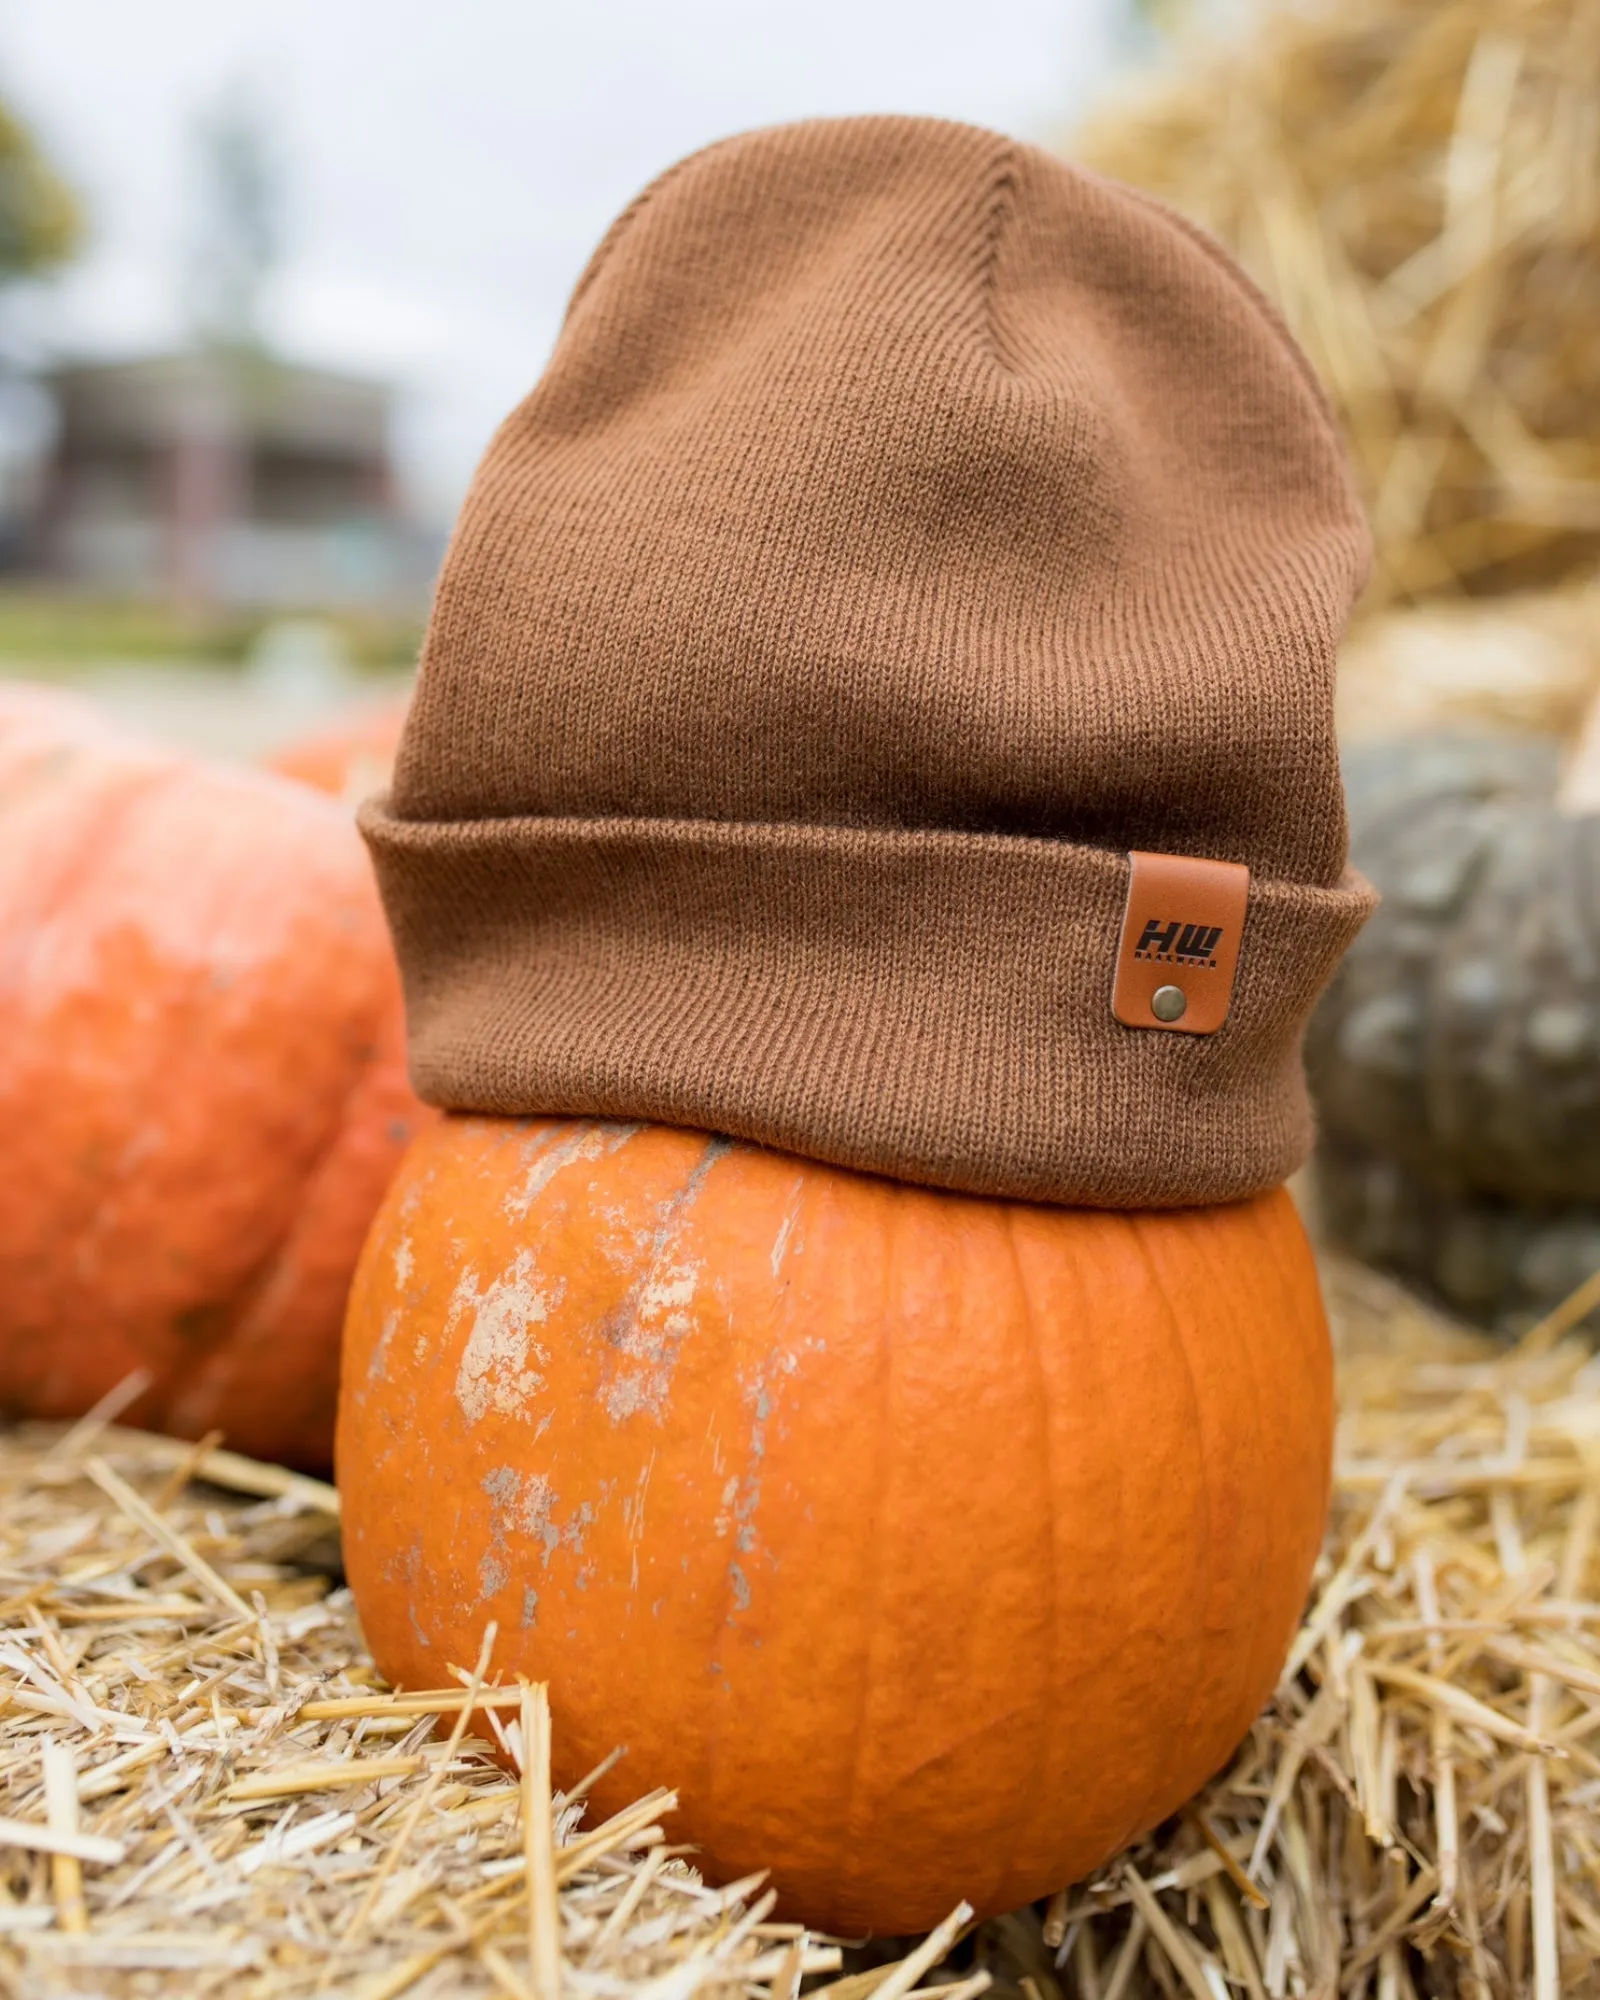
(912, 542)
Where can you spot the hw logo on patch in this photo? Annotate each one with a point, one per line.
(1178, 943)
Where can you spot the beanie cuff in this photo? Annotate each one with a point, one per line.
(935, 1006)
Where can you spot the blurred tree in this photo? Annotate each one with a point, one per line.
(239, 238)
(41, 223)
(1141, 26)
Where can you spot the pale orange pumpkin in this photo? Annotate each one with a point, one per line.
(929, 1546)
(349, 757)
(202, 1082)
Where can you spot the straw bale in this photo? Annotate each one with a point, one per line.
(1417, 184)
(235, 1804)
(1527, 664)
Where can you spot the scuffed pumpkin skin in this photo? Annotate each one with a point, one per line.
(202, 1082)
(930, 1547)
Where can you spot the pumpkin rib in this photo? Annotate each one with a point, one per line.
(86, 1225)
(1205, 1556)
(1246, 1654)
(355, 1082)
(1255, 1663)
(1261, 1656)
(1043, 1776)
(883, 1435)
(1127, 1512)
(183, 1405)
(24, 942)
(227, 1315)
(1210, 1471)
(716, 1148)
(1281, 1250)
(179, 1081)
(1245, 1381)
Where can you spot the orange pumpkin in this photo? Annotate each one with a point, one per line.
(352, 756)
(930, 1546)
(202, 1082)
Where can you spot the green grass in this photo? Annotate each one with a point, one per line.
(40, 629)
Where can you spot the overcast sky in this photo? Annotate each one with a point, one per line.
(449, 163)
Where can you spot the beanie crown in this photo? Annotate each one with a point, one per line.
(907, 527)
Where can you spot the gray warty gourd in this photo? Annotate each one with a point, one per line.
(1456, 1059)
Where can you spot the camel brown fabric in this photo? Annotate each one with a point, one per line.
(906, 527)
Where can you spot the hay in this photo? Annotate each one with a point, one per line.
(225, 1800)
(1522, 665)
(1417, 183)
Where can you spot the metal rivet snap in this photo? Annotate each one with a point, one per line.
(1168, 1003)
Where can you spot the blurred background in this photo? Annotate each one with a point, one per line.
(271, 270)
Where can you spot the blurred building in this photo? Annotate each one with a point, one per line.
(224, 477)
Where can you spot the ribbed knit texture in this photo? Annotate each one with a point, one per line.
(907, 526)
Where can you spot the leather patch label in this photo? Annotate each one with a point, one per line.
(1181, 933)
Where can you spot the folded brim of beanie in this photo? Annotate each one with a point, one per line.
(935, 1006)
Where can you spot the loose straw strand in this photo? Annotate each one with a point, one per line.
(538, 1845)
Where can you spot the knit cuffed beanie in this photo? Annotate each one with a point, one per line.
(909, 530)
